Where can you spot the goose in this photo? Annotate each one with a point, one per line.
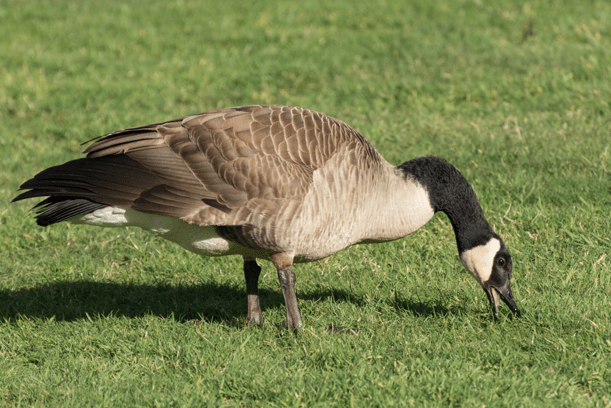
(269, 182)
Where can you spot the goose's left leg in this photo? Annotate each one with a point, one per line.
(251, 274)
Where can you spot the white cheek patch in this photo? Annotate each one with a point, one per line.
(479, 260)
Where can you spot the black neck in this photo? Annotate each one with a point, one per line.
(452, 194)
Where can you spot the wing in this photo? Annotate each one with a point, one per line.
(222, 167)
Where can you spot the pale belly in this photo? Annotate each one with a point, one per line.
(200, 240)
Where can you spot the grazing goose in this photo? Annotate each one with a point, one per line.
(280, 183)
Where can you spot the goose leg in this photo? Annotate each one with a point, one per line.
(251, 274)
(287, 283)
(286, 276)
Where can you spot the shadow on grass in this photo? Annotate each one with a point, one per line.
(68, 301)
(426, 309)
(76, 300)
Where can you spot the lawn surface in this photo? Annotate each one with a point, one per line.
(515, 94)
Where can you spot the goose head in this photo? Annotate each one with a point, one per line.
(481, 250)
(491, 265)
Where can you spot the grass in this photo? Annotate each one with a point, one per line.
(94, 317)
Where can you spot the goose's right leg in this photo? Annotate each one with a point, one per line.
(286, 276)
(251, 274)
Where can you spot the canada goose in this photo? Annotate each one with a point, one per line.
(280, 183)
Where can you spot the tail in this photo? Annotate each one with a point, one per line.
(82, 186)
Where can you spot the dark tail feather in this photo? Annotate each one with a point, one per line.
(82, 186)
(58, 209)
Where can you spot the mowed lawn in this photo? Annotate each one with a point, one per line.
(515, 94)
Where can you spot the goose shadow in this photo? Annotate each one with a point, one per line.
(211, 301)
(418, 308)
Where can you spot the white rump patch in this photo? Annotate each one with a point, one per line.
(104, 217)
(200, 240)
(480, 260)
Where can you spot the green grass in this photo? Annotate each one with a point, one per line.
(95, 317)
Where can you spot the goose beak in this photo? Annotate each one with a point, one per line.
(504, 292)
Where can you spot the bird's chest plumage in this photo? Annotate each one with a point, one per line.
(346, 206)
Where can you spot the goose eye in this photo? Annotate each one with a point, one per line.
(501, 261)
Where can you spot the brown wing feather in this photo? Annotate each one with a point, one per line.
(221, 167)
